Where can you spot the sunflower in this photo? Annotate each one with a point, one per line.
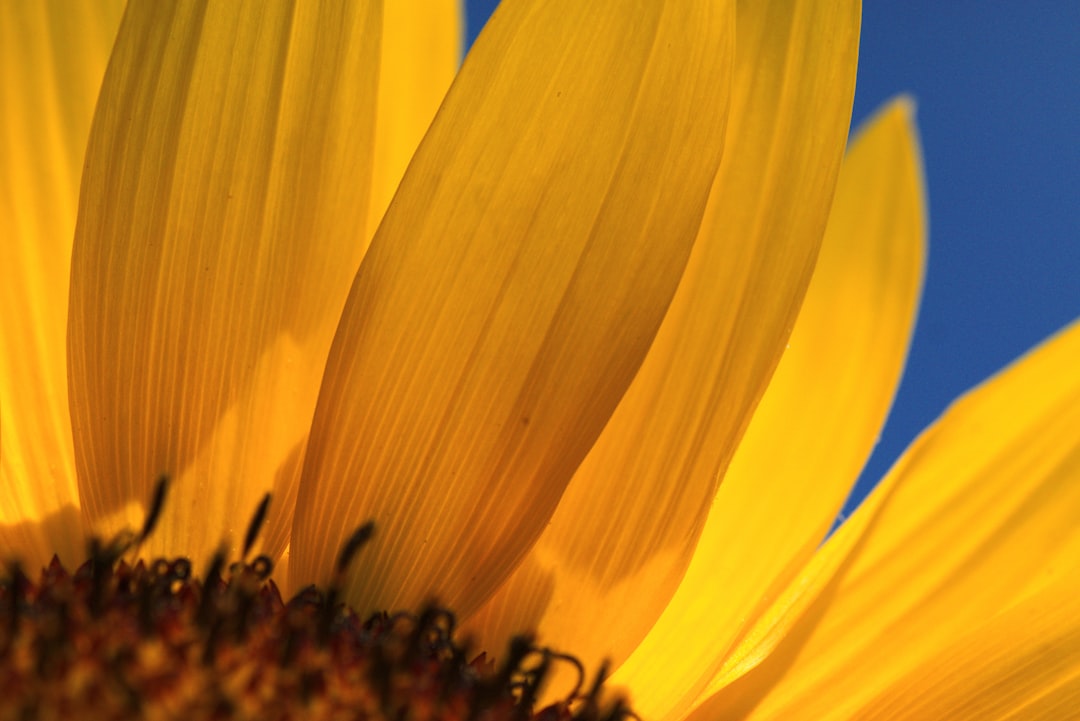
(601, 363)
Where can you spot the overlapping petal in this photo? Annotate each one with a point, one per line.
(626, 527)
(814, 427)
(232, 182)
(52, 59)
(978, 518)
(223, 215)
(421, 51)
(512, 290)
(1021, 664)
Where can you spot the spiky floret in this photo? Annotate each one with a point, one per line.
(150, 640)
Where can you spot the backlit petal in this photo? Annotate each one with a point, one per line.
(222, 218)
(1021, 664)
(1024, 662)
(512, 290)
(815, 425)
(979, 515)
(624, 532)
(421, 50)
(52, 58)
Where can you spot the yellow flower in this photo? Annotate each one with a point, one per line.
(562, 337)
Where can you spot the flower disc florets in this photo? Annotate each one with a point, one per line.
(117, 640)
(114, 640)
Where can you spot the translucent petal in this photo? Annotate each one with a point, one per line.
(1021, 664)
(1005, 667)
(52, 59)
(512, 290)
(222, 219)
(421, 50)
(815, 425)
(979, 515)
(624, 531)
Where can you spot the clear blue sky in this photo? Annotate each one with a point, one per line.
(999, 112)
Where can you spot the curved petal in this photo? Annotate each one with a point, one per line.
(1015, 664)
(421, 50)
(52, 59)
(512, 290)
(628, 523)
(221, 221)
(979, 515)
(815, 425)
(1021, 664)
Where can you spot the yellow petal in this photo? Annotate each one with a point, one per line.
(512, 291)
(977, 516)
(421, 49)
(1021, 664)
(627, 525)
(221, 221)
(52, 58)
(1014, 665)
(815, 425)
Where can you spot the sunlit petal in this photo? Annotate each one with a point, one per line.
(421, 50)
(1021, 664)
(222, 218)
(52, 58)
(512, 291)
(816, 423)
(1024, 662)
(978, 515)
(624, 531)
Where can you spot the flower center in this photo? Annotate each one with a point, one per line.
(145, 640)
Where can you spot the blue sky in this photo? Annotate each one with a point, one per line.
(999, 113)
